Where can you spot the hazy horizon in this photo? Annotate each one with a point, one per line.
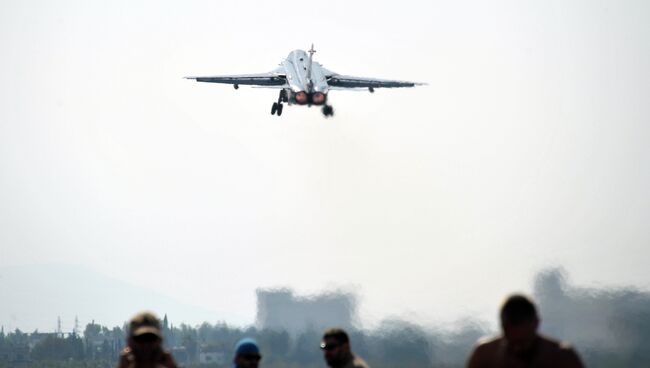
(74, 292)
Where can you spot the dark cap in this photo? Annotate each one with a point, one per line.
(144, 323)
(247, 346)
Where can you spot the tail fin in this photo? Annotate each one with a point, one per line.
(311, 56)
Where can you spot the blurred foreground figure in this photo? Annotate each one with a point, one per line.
(336, 348)
(521, 345)
(247, 354)
(144, 344)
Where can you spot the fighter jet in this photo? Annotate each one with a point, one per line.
(302, 81)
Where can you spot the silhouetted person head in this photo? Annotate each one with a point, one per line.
(520, 345)
(144, 334)
(336, 347)
(519, 321)
(247, 354)
(337, 352)
(144, 344)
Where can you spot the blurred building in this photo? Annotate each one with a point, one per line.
(604, 320)
(280, 309)
(212, 354)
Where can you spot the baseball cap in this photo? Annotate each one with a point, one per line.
(144, 323)
(247, 346)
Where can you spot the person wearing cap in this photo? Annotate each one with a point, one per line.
(337, 352)
(520, 345)
(247, 354)
(144, 344)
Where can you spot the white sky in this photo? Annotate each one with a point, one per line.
(528, 148)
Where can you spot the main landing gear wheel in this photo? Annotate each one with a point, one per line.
(277, 106)
(328, 111)
(276, 109)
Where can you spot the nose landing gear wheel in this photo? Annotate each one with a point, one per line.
(328, 111)
(279, 112)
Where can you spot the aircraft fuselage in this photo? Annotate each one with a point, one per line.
(307, 83)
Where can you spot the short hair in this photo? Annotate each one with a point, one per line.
(518, 309)
(337, 334)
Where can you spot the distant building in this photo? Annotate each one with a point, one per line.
(180, 354)
(210, 354)
(282, 310)
(614, 320)
(15, 356)
(35, 337)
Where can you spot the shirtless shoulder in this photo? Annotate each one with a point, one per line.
(561, 353)
(484, 352)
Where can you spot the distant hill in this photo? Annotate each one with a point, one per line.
(32, 297)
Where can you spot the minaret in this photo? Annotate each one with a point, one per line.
(76, 325)
(59, 333)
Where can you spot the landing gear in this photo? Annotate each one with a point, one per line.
(276, 109)
(277, 106)
(328, 111)
(283, 96)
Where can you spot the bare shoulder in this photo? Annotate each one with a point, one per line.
(357, 362)
(569, 356)
(487, 344)
(563, 351)
(484, 352)
(554, 345)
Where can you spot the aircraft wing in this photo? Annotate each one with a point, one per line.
(273, 80)
(344, 81)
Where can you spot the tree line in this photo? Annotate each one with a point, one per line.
(396, 344)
